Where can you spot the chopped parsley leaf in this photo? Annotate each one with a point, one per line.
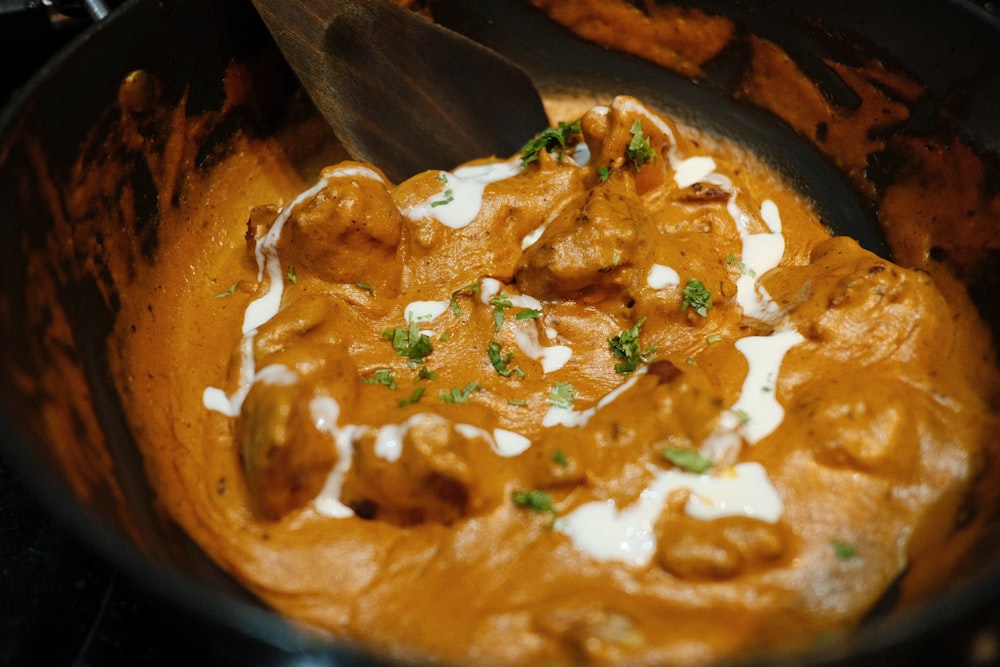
(382, 376)
(414, 397)
(625, 346)
(469, 289)
(228, 292)
(426, 374)
(559, 457)
(457, 395)
(550, 139)
(535, 500)
(366, 287)
(843, 550)
(697, 297)
(687, 459)
(292, 278)
(603, 173)
(639, 150)
(562, 395)
(409, 342)
(528, 314)
(501, 362)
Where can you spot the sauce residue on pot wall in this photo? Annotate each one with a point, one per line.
(775, 390)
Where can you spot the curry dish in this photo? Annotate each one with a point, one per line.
(619, 398)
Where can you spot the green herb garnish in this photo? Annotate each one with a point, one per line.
(687, 459)
(560, 458)
(382, 376)
(697, 297)
(562, 395)
(742, 415)
(732, 260)
(535, 500)
(500, 302)
(528, 314)
(469, 289)
(713, 339)
(501, 362)
(414, 397)
(639, 150)
(366, 287)
(228, 292)
(458, 395)
(426, 374)
(625, 346)
(550, 139)
(603, 173)
(409, 342)
(843, 550)
(292, 278)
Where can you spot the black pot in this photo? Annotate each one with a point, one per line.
(49, 430)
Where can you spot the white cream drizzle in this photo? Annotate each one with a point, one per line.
(628, 535)
(557, 416)
(757, 412)
(660, 277)
(424, 311)
(325, 411)
(502, 442)
(461, 196)
(551, 357)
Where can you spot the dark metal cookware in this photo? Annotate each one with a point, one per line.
(951, 47)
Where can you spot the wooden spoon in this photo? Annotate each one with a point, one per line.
(400, 91)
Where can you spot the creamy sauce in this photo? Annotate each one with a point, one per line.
(497, 394)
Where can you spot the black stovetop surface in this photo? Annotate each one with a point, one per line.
(62, 604)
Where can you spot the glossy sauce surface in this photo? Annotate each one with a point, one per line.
(593, 407)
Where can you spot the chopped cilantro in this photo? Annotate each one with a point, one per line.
(528, 314)
(381, 376)
(639, 150)
(426, 374)
(470, 289)
(519, 403)
(409, 342)
(292, 278)
(550, 139)
(562, 395)
(744, 269)
(228, 292)
(449, 197)
(500, 302)
(687, 459)
(501, 362)
(366, 287)
(742, 415)
(625, 346)
(713, 339)
(535, 500)
(458, 395)
(603, 173)
(560, 458)
(415, 396)
(843, 550)
(697, 297)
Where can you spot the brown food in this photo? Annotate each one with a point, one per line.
(414, 523)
